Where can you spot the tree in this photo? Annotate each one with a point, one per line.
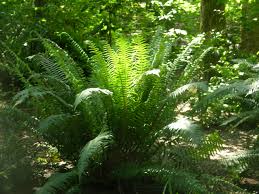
(212, 15)
(250, 26)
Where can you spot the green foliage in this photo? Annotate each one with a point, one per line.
(17, 150)
(244, 91)
(89, 93)
(73, 73)
(172, 178)
(58, 183)
(92, 150)
(141, 95)
(139, 116)
(244, 160)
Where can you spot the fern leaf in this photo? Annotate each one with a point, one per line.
(59, 182)
(253, 87)
(71, 69)
(14, 64)
(221, 185)
(193, 70)
(94, 148)
(177, 67)
(37, 92)
(74, 190)
(13, 118)
(53, 120)
(50, 67)
(181, 181)
(86, 94)
(242, 117)
(242, 160)
(187, 128)
(79, 50)
(53, 84)
(25, 94)
(189, 87)
(231, 90)
(160, 49)
(210, 145)
(141, 60)
(102, 69)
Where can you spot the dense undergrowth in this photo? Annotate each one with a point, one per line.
(119, 109)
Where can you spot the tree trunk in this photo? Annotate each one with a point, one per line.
(250, 26)
(212, 15)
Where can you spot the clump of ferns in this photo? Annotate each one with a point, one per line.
(130, 101)
(246, 93)
(229, 101)
(243, 92)
(48, 94)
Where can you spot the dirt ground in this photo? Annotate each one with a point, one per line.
(237, 142)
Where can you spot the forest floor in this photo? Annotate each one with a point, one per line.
(236, 142)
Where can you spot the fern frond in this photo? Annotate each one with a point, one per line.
(189, 87)
(124, 77)
(147, 83)
(93, 150)
(120, 70)
(73, 72)
(76, 47)
(184, 128)
(221, 185)
(211, 144)
(102, 69)
(180, 180)
(176, 68)
(12, 118)
(253, 87)
(162, 54)
(59, 182)
(37, 92)
(234, 89)
(242, 160)
(140, 54)
(50, 67)
(53, 84)
(14, 64)
(90, 92)
(74, 190)
(52, 121)
(194, 70)
(155, 43)
(242, 117)
(159, 49)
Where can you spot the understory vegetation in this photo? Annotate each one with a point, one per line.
(128, 96)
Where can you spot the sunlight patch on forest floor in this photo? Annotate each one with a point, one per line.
(235, 143)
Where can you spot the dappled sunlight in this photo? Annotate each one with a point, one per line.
(235, 143)
(129, 97)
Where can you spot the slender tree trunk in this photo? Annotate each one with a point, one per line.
(39, 4)
(250, 26)
(212, 15)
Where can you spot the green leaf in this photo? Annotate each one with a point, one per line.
(93, 149)
(90, 92)
(185, 127)
(58, 182)
(189, 87)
